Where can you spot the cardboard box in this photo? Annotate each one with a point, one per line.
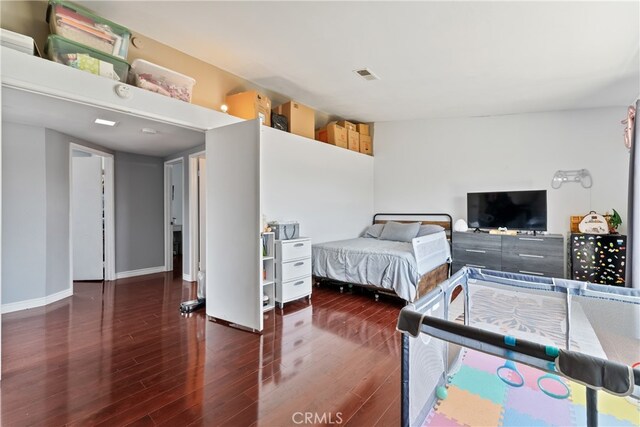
(366, 146)
(347, 125)
(334, 135)
(302, 119)
(353, 139)
(362, 129)
(575, 222)
(250, 105)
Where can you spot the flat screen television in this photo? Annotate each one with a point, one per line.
(517, 210)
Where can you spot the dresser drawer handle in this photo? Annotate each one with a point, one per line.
(298, 264)
(297, 245)
(532, 239)
(299, 283)
(531, 256)
(531, 272)
(476, 251)
(475, 265)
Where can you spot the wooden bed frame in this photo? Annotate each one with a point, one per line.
(429, 280)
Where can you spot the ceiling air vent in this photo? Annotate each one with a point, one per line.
(366, 74)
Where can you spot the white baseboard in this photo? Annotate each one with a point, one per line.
(36, 302)
(141, 272)
(188, 278)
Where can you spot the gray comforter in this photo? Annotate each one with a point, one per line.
(381, 263)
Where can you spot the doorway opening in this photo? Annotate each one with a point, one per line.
(197, 213)
(91, 219)
(174, 215)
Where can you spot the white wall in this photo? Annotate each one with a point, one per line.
(139, 212)
(328, 190)
(24, 249)
(430, 165)
(57, 187)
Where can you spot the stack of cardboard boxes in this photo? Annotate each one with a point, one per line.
(301, 121)
(366, 143)
(254, 105)
(347, 135)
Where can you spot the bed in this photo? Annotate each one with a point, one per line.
(398, 268)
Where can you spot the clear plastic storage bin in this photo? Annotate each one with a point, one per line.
(155, 78)
(80, 25)
(84, 58)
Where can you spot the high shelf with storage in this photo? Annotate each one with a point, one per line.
(539, 255)
(268, 271)
(293, 270)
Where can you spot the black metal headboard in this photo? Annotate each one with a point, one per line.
(442, 219)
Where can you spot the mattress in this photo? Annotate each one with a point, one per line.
(381, 263)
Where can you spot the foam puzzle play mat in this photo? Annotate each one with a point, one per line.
(486, 393)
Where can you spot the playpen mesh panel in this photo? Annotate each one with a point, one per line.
(606, 329)
(523, 313)
(426, 370)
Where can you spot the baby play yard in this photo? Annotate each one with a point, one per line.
(491, 348)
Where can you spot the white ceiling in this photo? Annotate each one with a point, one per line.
(77, 120)
(435, 59)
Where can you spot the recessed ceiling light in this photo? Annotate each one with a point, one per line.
(105, 122)
(366, 74)
(149, 131)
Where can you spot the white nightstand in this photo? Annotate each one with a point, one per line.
(293, 270)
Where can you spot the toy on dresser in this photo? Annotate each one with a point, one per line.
(597, 253)
(593, 223)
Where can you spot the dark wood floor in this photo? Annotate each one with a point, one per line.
(127, 357)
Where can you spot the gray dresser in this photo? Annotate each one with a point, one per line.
(527, 254)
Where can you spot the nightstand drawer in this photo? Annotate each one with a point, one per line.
(296, 288)
(481, 258)
(536, 265)
(294, 249)
(293, 269)
(533, 245)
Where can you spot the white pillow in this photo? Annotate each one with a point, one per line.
(400, 232)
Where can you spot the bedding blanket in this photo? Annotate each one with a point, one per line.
(382, 263)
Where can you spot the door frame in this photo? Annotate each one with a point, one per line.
(109, 211)
(194, 210)
(168, 227)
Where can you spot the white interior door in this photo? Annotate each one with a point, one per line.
(234, 290)
(202, 211)
(86, 211)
